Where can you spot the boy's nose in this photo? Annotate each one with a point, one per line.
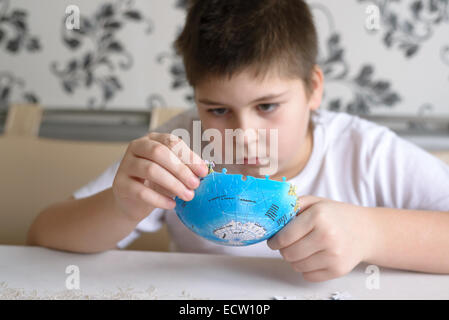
(247, 140)
(246, 123)
(248, 135)
(247, 127)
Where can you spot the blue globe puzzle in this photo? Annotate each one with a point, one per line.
(231, 210)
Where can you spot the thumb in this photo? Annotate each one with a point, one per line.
(305, 202)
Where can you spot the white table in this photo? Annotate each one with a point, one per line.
(31, 272)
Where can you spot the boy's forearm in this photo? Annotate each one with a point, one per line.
(88, 225)
(410, 239)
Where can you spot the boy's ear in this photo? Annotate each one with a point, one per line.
(316, 96)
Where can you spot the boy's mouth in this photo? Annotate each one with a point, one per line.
(251, 161)
(254, 161)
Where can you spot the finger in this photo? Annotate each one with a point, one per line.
(161, 154)
(156, 187)
(306, 202)
(182, 152)
(147, 196)
(303, 248)
(316, 261)
(297, 227)
(293, 231)
(152, 171)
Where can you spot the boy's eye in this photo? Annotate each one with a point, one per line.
(218, 111)
(268, 107)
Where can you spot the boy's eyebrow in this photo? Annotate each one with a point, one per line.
(267, 97)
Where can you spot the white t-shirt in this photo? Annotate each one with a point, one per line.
(353, 160)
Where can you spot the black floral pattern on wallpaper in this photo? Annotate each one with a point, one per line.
(409, 33)
(182, 4)
(155, 100)
(177, 71)
(101, 66)
(367, 92)
(15, 38)
(14, 30)
(13, 87)
(445, 55)
(99, 56)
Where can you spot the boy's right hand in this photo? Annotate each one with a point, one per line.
(151, 174)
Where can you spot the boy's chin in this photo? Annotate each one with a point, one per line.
(257, 171)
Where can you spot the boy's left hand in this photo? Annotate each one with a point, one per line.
(326, 240)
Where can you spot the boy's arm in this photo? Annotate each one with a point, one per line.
(148, 177)
(329, 238)
(402, 175)
(87, 225)
(410, 239)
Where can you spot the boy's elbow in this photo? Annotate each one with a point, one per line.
(39, 227)
(32, 236)
(31, 240)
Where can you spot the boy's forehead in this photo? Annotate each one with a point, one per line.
(244, 85)
(247, 75)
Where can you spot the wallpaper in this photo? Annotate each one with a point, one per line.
(378, 57)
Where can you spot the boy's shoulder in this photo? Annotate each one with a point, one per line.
(339, 126)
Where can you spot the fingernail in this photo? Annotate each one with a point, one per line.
(194, 182)
(189, 194)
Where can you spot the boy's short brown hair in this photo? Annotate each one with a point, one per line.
(223, 37)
